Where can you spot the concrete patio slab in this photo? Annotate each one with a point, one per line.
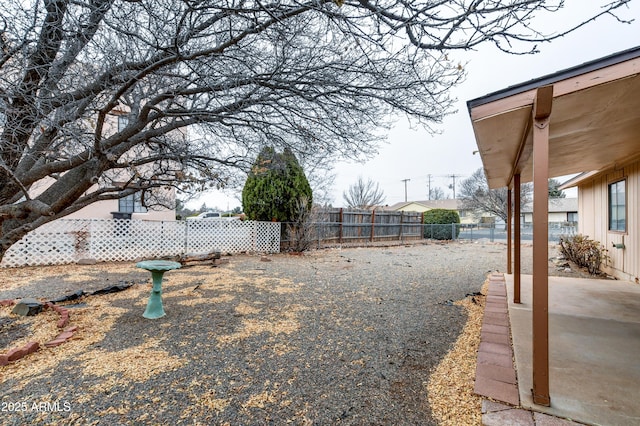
(594, 341)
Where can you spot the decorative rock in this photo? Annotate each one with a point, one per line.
(54, 343)
(87, 261)
(31, 347)
(4, 360)
(27, 307)
(62, 322)
(7, 302)
(15, 354)
(65, 335)
(72, 329)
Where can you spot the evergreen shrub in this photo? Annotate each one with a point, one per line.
(275, 187)
(437, 224)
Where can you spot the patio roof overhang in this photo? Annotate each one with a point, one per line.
(582, 119)
(595, 122)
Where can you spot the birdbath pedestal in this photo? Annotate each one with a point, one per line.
(157, 268)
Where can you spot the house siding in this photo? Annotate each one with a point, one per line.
(593, 213)
(103, 210)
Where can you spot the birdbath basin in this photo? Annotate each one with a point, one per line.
(157, 268)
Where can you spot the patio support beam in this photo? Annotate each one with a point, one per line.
(509, 221)
(516, 238)
(541, 118)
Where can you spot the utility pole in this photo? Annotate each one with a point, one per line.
(405, 188)
(453, 185)
(429, 184)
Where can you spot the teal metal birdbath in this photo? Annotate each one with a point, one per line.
(157, 268)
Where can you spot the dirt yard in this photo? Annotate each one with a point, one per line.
(342, 336)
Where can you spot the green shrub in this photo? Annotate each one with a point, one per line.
(583, 252)
(275, 187)
(437, 224)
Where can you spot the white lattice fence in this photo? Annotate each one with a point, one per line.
(51, 244)
(69, 240)
(232, 236)
(118, 240)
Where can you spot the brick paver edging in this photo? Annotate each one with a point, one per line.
(495, 372)
(31, 347)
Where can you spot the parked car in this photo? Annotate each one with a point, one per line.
(206, 215)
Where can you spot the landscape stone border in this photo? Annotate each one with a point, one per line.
(15, 354)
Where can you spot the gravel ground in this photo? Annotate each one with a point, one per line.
(340, 336)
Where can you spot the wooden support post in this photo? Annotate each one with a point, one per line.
(509, 221)
(541, 118)
(517, 243)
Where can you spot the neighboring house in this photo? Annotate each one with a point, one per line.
(466, 216)
(129, 207)
(561, 211)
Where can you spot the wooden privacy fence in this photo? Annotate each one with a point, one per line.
(341, 226)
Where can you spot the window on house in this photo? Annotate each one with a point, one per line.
(123, 121)
(572, 217)
(617, 206)
(131, 204)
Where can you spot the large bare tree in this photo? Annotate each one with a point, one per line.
(363, 195)
(476, 196)
(205, 84)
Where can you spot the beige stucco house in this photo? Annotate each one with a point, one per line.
(466, 216)
(129, 207)
(584, 119)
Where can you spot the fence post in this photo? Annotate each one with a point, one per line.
(401, 224)
(453, 231)
(373, 218)
(492, 231)
(340, 226)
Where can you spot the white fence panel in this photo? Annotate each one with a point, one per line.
(50, 244)
(233, 236)
(69, 240)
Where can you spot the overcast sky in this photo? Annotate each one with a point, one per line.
(415, 154)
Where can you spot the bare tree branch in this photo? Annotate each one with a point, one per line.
(364, 195)
(205, 85)
(476, 196)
